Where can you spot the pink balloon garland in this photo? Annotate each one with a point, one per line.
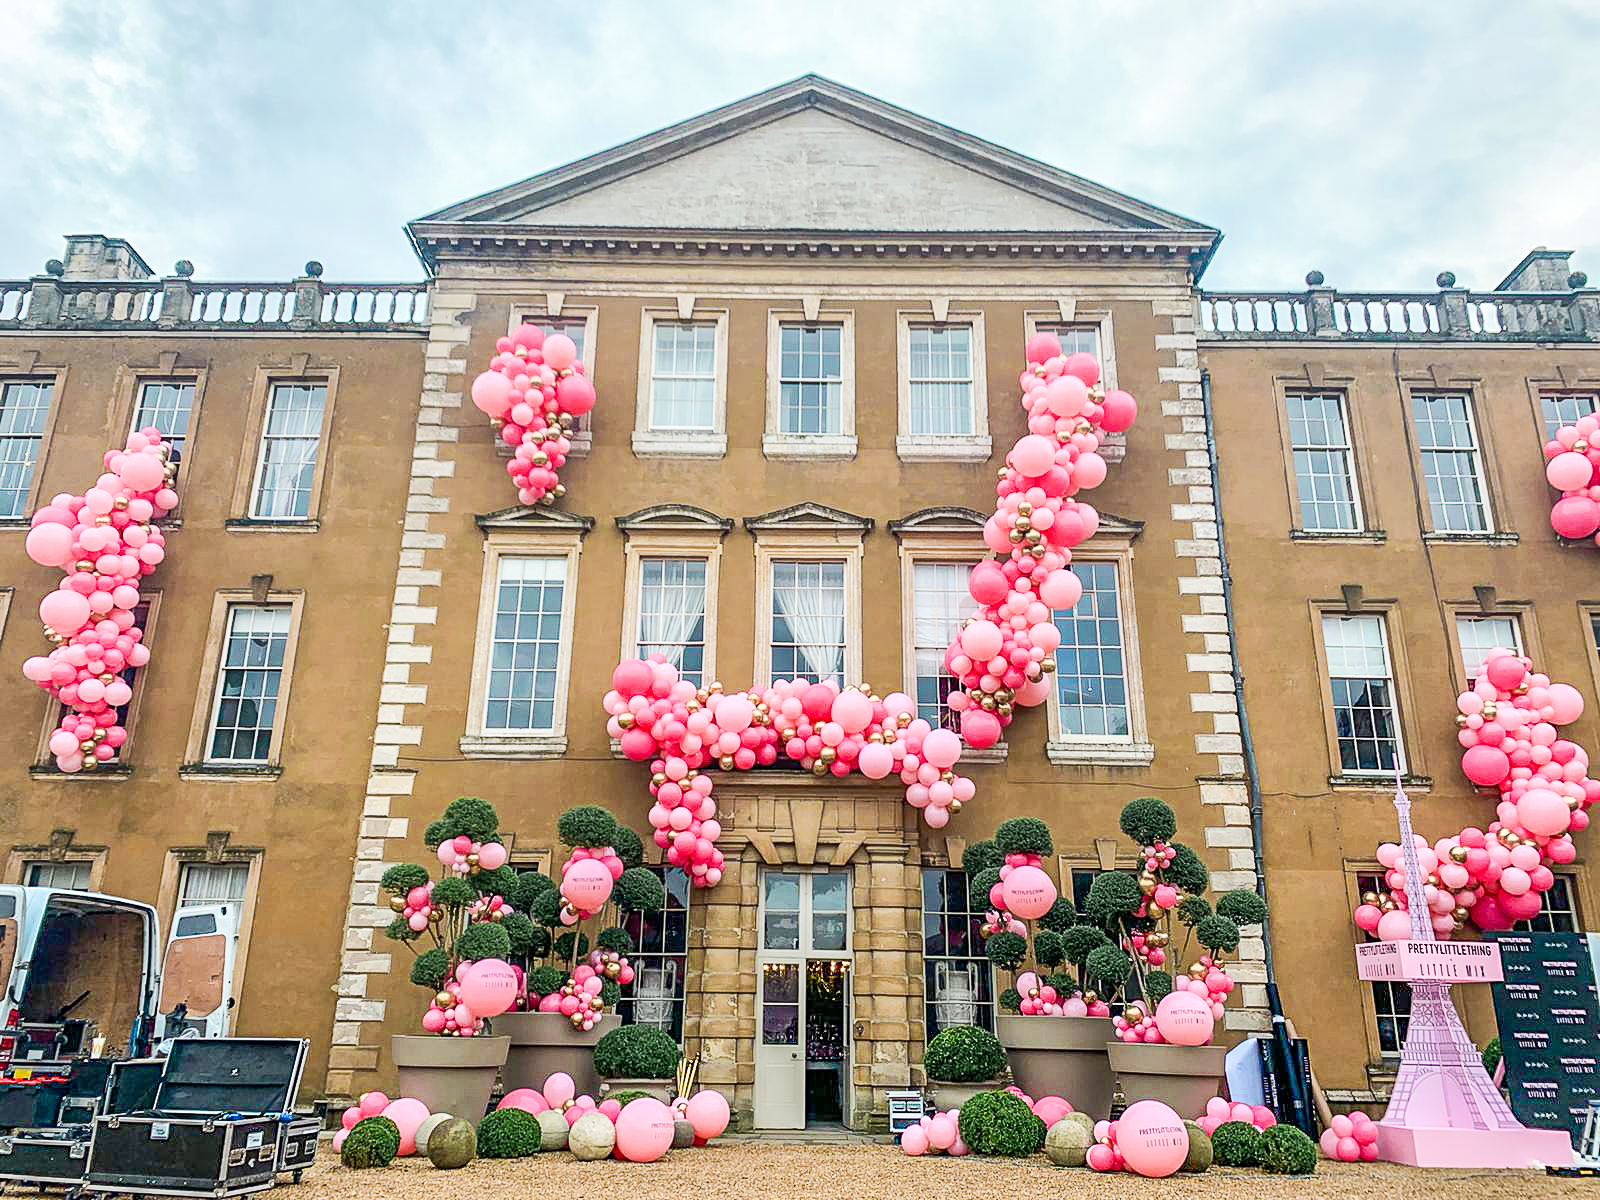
(105, 540)
(684, 732)
(1572, 467)
(1006, 648)
(533, 390)
(1497, 876)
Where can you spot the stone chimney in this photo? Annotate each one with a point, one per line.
(95, 256)
(1541, 270)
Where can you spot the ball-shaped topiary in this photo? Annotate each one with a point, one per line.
(1048, 949)
(1243, 906)
(399, 931)
(979, 887)
(1156, 985)
(981, 856)
(1000, 1123)
(508, 1133)
(588, 826)
(434, 834)
(544, 980)
(610, 993)
(1006, 950)
(628, 846)
(1108, 967)
(546, 908)
(1216, 932)
(529, 887)
(1024, 835)
(964, 1054)
(1236, 1144)
(482, 939)
(1193, 910)
(1081, 941)
(636, 1052)
(522, 933)
(453, 892)
(1061, 917)
(625, 1098)
(1064, 985)
(615, 939)
(498, 882)
(402, 877)
(373, 1142)
(1187, 871)
(1147, 821)
(1112, 895)
(1286, 1150)
(431, 969)
(640, 890)
(1011, 1000)
(564, 947)
(471, 817)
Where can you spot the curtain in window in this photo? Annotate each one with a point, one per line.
(670, 613)
(816, 619)
(213, 883)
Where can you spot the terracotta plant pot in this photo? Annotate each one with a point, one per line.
(946, 1096)
(1181, 1077)
(661, 1089)
(1061, 1056)
(449, 1074)
(544, 1043)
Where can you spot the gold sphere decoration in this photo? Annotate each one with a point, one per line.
(397, 903)
(1458, 854)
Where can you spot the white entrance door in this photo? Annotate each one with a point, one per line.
(803, 916)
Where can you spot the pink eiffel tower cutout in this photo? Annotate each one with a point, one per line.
(1445, 1111)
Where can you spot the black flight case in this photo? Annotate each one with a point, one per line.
(53, 1152)
(215, 1128)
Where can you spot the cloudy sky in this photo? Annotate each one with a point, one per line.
(1378, 142)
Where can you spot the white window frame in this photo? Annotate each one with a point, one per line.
(280, 699)
(842, 445)
(1462, 619)
(936, 546)
(197, 763)
(1402, 759)
(1475, 454)
(1113, 446)
(1352, 481)
(1551, 397)
(478, 742)
(773, 546)
(53, 382)
(649, 442)
(83, 866)
(308, 517)
(976, 446)
(643, 544)
(1136, 749)
(549, 312)
(168, 901)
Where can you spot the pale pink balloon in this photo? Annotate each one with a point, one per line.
(490, 987)
(49, 545)
(1568, 471)
(1061, 590)
(65, 612)
(941, 748)
(142, 472)
(1033, 455)
(587, 884)
(560, 351)
(372, 1104)
(408, 1116)
(1184, 1019)
(1151, 1137)
(491, 392)
(1029, 893)
(644, 1128)
(492, 856)
(558, 1089)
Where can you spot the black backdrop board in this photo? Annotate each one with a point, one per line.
(1549, 1018)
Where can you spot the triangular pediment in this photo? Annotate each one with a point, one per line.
(808, 515)
(675, 518)
(535, 519)
(813, 155)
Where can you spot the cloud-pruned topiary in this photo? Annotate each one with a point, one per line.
(981, 856)
(980, 886)
(483, 939)
(640, 890)
(588, 827)
(1242, 906)
(1148, 820)
(964, 1054)
(1024, 835)
(1006, 950)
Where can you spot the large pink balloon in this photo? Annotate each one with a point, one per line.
(1486, 766)
(1150, 1136)
(491, 392)
(1121, 410)
(576, 394)
(1568, 472)
(1542, 812)
(644, 1129)
(560, 351)
(1042, 347)
(1575, 517)
(853, 711)
(490, 986)
(632, 677)
(558, 1089)
(982, 640)
(65, 612)
(49, 545)
(1033, 454)
(1028, 892)
(408, 1116)
(586, 885)
(876, 760)
(980, 728)
(988, 583)
(1394, 927)
(1567, 701)
(708, 1112)
(942, 748)
(1061, 590)
(141, 472)
(1184, 1019)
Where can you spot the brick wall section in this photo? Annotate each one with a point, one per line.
(358, 1019)
(1228, 836)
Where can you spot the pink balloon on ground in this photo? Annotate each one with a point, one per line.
(372, 1104)
(1152, 1139)
(408, 1115)
(914, 1141)
(708, 1112)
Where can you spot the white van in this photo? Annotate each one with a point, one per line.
(69, 956)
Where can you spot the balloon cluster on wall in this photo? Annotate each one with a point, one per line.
(106, 541)
(1002, 655)
(1497, 876)
(684, 731)
(533, 390)
(1573, 469)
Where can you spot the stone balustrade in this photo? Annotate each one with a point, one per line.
(1450, 314)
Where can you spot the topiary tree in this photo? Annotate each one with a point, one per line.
(1000, 1123)
(1285, 1150)
(636, 1052)
(508, 1133)
(1148, 820)
(1006, 950)
(1236, 1144)
(964, 1054)
(1024, 835)
(373, 1142)
(981, 856)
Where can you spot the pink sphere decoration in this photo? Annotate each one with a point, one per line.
(1394, 926)
(942, 1132)
(351, 1117)
(1567, 701)
(1184, 1019)
(560, 351)
(1543, 813)
(632, 678)
(1569, 471)
(558, 1089)
(408, 1116)
(981, 640)
(1575, 517)
(49, 545)
(65, 612)
(490, 986)
(1486, 766)
(1042, 347)
(644, 1127)
(708, 1112)
(988, 583)
(491, 392)
(980, 728)
(1120, 412)
(1028, 892)
(339, 1139)
(587, 884)
(1151, 1138)
(372, 1104)
(914, 1141)
(941, 748)
(1061, 590)
(527, 1099)
(876, 760)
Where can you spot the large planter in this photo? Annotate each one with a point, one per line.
(1181, 1077)
(1061, 1056)
(946, 1096)
(449, 1074)
(544, 1043)
(661, 1089)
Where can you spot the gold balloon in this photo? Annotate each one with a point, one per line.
(627, 721)
(444, 1000)
(1458, 854)
(397, 903)
(1090, 996)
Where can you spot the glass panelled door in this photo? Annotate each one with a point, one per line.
(804, 917)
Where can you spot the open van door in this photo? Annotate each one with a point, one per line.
(197, 974)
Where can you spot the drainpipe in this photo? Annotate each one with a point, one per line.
(1252, 772)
